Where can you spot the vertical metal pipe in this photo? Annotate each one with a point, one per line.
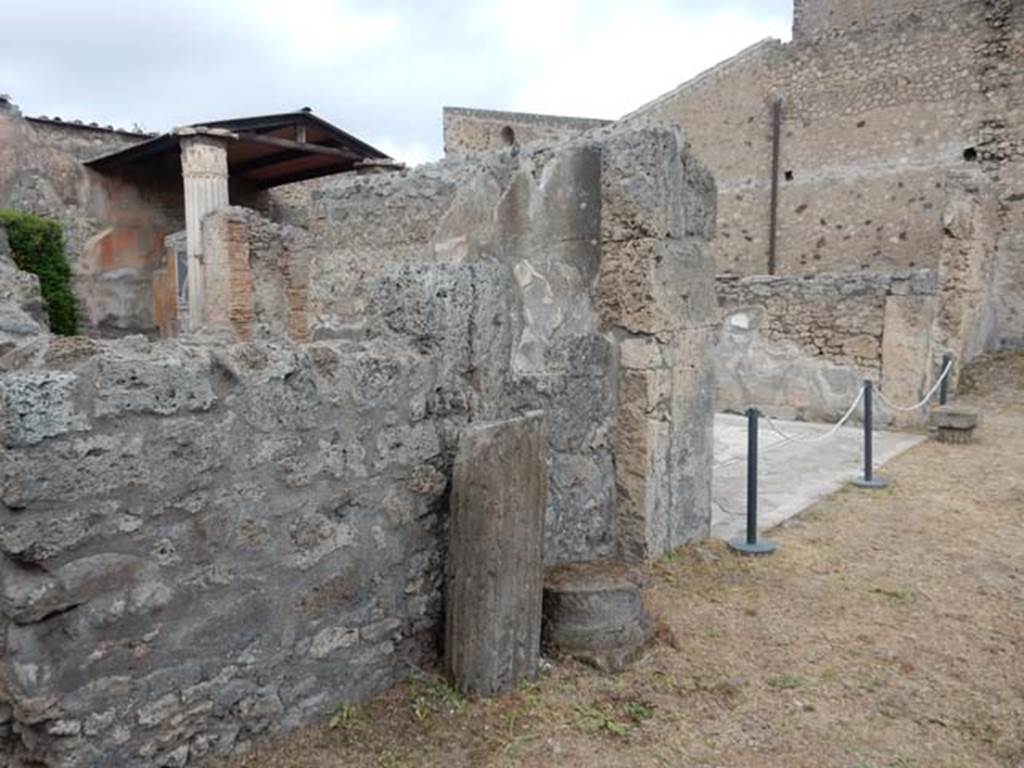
(869, 480)
(947, 360)
(752, 415)
(773, 215)
(751, 545)
(868, 428)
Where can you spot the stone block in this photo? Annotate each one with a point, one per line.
(37, 405)
(955, 423)
(495, 556)
(642, 186)
(163, 386)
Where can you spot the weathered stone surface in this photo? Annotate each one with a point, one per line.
(113, 226)
(239, 535)
(496, 556)
(808, 343)
(38, 405)
(477, 130)
(955, 423)
(22, 309)
(161, 385)
(595, 612)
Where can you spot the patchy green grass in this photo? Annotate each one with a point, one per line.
(785, 682)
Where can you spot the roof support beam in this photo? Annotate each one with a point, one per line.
(319, 149)
(240, 169)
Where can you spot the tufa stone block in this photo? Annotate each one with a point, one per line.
(495, 556)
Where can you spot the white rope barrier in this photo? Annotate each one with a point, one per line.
(786, 439)
(927, 398)
(819, 438)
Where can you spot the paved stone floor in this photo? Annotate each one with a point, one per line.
(791, 475)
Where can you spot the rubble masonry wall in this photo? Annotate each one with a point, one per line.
(204, 541)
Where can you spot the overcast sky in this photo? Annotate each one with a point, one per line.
(381, 69)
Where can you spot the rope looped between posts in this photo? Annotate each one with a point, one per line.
(927, 398)
(786, 439)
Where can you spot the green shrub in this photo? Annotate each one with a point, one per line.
(38, 247)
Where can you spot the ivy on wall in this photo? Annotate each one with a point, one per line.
(37, 245)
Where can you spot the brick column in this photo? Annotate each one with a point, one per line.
(204, 171)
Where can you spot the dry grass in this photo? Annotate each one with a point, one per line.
(888, 631)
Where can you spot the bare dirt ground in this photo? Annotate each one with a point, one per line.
(887, 631)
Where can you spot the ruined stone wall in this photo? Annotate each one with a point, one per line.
(1002, 159)
(607, 246)
(204, 541)
(835, 317)
(85, 142)
(806, 344)
(881, 102)
(871, 124)
(257, 275)
(480, 130)
(201, 545)
(114, 226)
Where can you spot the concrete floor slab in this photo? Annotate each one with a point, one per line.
(791, 475)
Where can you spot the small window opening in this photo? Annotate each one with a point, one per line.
(971, 155)
(789, 175)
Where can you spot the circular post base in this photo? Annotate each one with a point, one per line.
(876, 483)
(762, 547)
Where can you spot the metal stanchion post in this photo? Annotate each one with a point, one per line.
(947, 361)
(869, 480)
(750, 545)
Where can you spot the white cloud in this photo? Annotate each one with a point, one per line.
(322, 29)
(605, 59)
(381, 69)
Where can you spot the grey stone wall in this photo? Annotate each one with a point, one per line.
(85, 141)
(605, 239)
(813, 18)
(804, 345)
(203, 542)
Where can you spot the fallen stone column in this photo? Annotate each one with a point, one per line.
(495, 556)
